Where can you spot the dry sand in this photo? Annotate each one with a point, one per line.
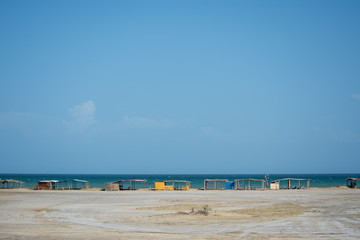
(283, 214)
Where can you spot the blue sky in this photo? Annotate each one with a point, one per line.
(180, 86)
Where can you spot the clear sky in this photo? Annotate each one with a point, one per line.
(179, 86)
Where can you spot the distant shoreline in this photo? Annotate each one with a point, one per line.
(197, 180)
(96, 189)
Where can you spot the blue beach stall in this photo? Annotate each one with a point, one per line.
(229, 185)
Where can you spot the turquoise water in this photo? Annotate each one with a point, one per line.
(197, 180)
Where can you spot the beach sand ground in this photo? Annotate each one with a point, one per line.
(280, 214)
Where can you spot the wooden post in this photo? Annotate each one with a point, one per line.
(289, 183)
(308, 183)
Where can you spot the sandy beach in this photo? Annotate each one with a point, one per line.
(283, 214)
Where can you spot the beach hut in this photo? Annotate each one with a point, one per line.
(249, 183)
(217, 184)
(127, 184)
(11, 184)
(48, 184)
(112, 186)
(182, 185)
(77, 184)
(130, 184)
(74, 184)
(352, 182)
(161, 185)
(288, 183)
(274, 185)
(172, 185)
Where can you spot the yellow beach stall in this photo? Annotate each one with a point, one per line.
(172, 185)
(164, 185)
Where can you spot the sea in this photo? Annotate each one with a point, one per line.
(197, 180)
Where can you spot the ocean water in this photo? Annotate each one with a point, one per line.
(197, 180)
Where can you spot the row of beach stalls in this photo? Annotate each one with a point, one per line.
(135, 184)
(73, 184)
(210, 184)
(252, 184)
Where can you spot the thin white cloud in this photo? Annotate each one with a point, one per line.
(356, 96)
(83, 116)
(147, 122)
(84, 113)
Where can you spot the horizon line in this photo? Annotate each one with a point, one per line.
(169, 173)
